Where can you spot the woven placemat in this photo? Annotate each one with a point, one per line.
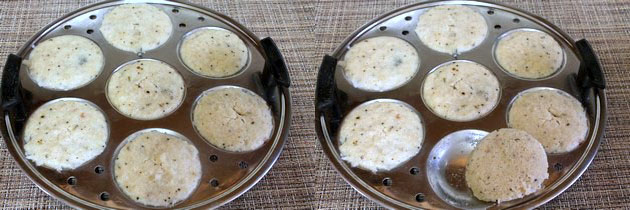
(304, 31)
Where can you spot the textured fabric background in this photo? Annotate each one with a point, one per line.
(305, 31)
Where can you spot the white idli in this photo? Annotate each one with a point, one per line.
(157, 169)
(145, 89)
(529, 54)
(65, 62)
(555, 118)
(234, 119)
(136, 27)
(65, 133)
(452, 29)
(507, 164)
(214, 52)
(461, 91)
(380, 64)
(380, 135)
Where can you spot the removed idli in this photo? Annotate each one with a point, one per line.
(507, 164)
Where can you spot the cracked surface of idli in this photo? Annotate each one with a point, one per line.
(380, 135)
(157, 169)
(136, 27)
(65, 62)
(461, 91)
(214, 52)
(505, 165)
(65, 134)
(146, 89)
(529, 54)
(555, 118)
(452, 29)
(380, 64)
(234, 119)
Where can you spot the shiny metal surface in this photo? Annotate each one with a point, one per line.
(233, 173)
(413, 190)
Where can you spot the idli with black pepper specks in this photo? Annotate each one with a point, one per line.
(461, 91)
(233, 118)
(555, 118)
(156, 168)
(380, 64)
(145, 89)
(136, 27)
(452, 29)
(505, 165)
(65, 62)
(380, 135)
(65, 133)
(214, 52)
(529, 54)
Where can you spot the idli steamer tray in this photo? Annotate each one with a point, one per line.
(225, 175)
(434, 178)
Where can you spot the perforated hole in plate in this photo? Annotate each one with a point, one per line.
(414, 171)
(242, 165)
(104, 196)
(408, 18)
(214, 182)
(99, 169)
(383, 28)
(388, 182)
(213, 158)
(90, 31)
(516, 20)
(182, 25)
(490, 12)
(92, 17)
(497, 26)
(201, 19)
(420, 197)
(67, 27)
(72, 180)
(175, 10)
(405, 33)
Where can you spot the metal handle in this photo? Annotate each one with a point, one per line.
(275, 68)
(326, 93)
(590, 74)
(11, 94)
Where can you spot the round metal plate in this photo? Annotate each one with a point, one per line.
(408, 189)
(226, 175)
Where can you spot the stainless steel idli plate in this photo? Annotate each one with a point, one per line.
(226, 175)
(434, 177)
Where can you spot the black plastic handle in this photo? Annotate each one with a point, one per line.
(590, 74)
(11, 91)
(275, 67)
(326, 94)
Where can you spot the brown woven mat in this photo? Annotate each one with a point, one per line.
(306, 30)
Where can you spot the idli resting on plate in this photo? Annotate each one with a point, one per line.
(157, 168)
(145, 89)
(136, 27)
(554, 117)
(233, 118)
(507, 164)
(65, 133)
(380, 135)
(529, 54)
(65, 62)
(214, 52)
(461, 91)
(380, 63)
(452, 29)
